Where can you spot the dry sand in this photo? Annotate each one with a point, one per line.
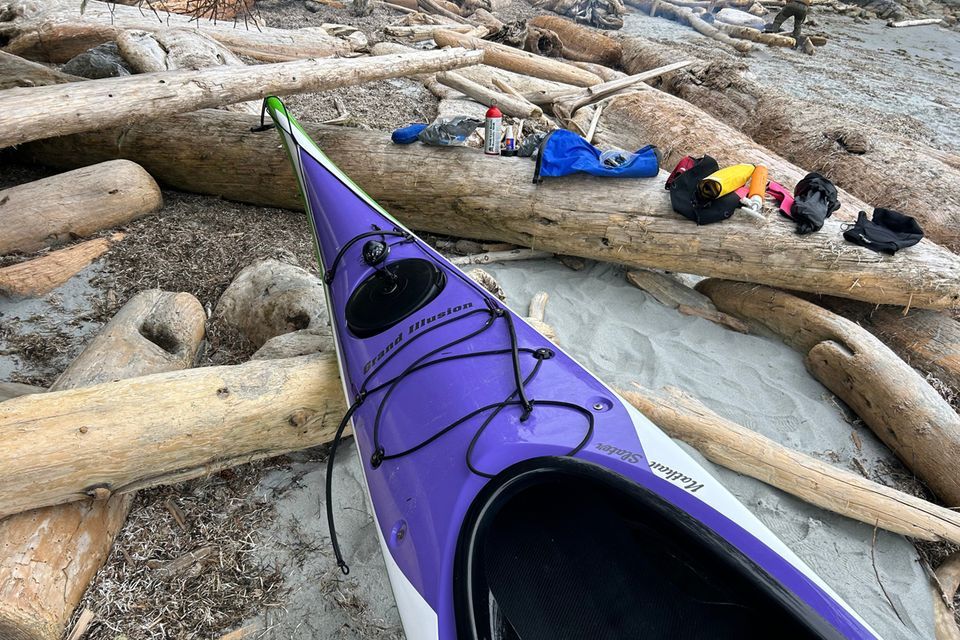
(623, 335)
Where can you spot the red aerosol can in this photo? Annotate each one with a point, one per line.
(491, 136)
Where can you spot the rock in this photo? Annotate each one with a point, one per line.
(293, 344)
(103, 61)
(270, 298)
(467, 247)
(312, 6)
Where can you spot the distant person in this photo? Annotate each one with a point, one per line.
(796, 9)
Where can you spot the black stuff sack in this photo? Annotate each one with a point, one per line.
(815, 200)
(888, 232)
(682, 185)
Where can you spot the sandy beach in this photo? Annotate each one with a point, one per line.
(275, 575)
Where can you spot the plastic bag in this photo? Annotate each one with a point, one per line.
(448, 132)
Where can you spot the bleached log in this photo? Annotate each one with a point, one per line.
(74, 204)
(948, 579)
(879, 167)
(50, 555)
(737, 448)
(204, 420)
(566, 105)
(687, 16)
(755, 35)
(500, 256)
(914, 23)
(57, 30)
(508, 104)
(905, 412)
(423, 32)
(625, 221)
(927, 340)
(20, 72)
(42, 275)
(504, 57)
(43, 112)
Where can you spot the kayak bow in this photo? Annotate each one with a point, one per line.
(515, 495)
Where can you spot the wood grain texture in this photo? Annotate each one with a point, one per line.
(198, 422)
(75, 204)
(898, 405)
(48, 556)
(55, 110)
(735, 447)
(441, 191)
(42, 275)
(56, 30)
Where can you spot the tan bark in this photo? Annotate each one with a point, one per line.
(508, 104)
(735, 447)
(75, 204)
(43, 112)
(504, 57)
(55, 31)
(19, 72)
(42, 275)
(755, 35)
(48, 556)
(948, 576)
(905, 412)
(565, 106)
(687, 16)
(197, 422)
(581, 42)
(927, 340)
(625, 221)
(876, 166)
(151, 52)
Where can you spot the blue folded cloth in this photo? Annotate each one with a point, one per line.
(407, 134)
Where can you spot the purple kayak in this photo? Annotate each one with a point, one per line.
(517, 497)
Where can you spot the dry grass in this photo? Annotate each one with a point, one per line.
(134, 596)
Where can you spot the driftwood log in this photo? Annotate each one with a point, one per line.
(516, 107)
(927, 340)
(270, 298)
(672, 293)
(75, 204)
(19, 72)
(686, 15)
(197, 422)
(42, 112)
(42, 275)
(735, 447)
(565, 106)
(504, 57)
(580, 42)
(151, 52)
(905, 412)
(876, 166)
(57, 30)
(626, 221)
(48, 556)
(948, 580)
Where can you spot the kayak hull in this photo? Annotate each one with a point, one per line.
(458, 395)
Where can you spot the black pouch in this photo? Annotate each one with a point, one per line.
(888, 232)
(686, 201)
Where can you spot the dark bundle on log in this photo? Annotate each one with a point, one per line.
(883, 169)
(603, 14)
(579, 42)
(631, 222)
